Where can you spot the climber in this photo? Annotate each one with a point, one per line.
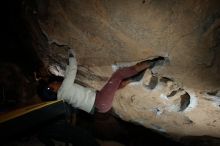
(88, 99)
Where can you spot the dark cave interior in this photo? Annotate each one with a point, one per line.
(16, 41)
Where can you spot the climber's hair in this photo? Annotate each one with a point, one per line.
(43, 90)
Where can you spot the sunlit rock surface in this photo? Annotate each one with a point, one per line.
(179, 97)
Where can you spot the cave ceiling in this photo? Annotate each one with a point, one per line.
(180, 96)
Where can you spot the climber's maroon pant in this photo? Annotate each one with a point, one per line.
(104, 97)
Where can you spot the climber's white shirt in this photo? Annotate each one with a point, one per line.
(74, 94)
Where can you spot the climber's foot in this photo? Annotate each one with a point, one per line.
(148, 63)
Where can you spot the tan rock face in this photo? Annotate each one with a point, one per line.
(179, 97)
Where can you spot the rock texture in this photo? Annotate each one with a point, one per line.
(180, 97)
